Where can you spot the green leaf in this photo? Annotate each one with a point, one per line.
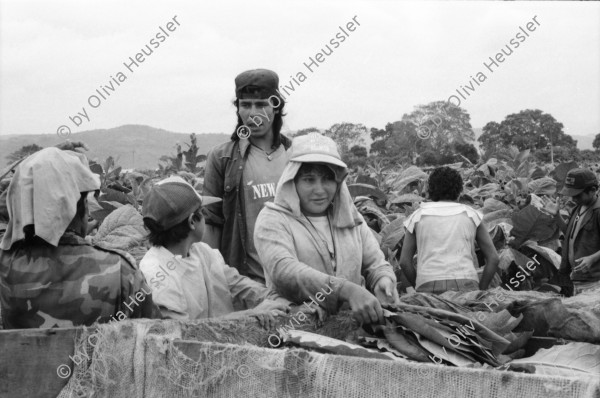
(122, 229)
(485, 191)
(407, 198)
(393, 233)
(498, 217)
(407, 177)
(531, 224)
(510, 255)
(370, 208)
(366, 190)
(111, 195)
(491, 205)
(543, 186)
(569, 360)
(560, 173)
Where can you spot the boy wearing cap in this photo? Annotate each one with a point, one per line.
(189, 279)
(244, 171)
(581, 247)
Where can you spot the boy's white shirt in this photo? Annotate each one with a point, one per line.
(198, 286)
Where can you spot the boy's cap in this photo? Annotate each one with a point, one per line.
(315, 148)
(266, 80)
(172, 200)
(577, 181)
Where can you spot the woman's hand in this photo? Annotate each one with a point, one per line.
(266, 312)
(365, 307)
(386, 292)
(318, 310)
(268, 305)
(266, 318)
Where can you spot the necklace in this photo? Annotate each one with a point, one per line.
(581, 214)
(577, 217)
(332, 255)
(269, 157)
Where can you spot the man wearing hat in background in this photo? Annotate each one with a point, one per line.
(581, 246)
(244, 171)
(190, 280)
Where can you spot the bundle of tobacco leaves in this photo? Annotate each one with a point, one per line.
(428, 334)
(455, 336)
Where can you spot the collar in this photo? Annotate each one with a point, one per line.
(440, 204)
(244, 145)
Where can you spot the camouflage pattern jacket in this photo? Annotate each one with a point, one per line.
(75, 283)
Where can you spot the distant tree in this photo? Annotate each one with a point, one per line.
(346, 135)
(588, 155)
(468, 151)
(596, 143)
(23, 152)
(492, 138)
(359, 151)
(357, 156)
(528, 129)
(379, 137)
(437, 127)
(428, 158)
(561, 154)
(441, 124)
(306, 131)
(398, 140)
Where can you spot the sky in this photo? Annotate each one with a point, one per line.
(55, 55)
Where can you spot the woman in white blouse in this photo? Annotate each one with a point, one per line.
(443, 234)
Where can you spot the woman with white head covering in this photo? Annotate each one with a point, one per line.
(50, 276)
(313, 243)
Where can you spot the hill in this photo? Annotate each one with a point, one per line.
(135, 146)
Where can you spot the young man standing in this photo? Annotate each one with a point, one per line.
(581, 247)
(244, 171)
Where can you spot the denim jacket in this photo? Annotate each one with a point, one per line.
(587, 242)
(222, 179)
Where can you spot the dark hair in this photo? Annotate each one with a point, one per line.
(318, 169)
(277, 119)
(176, 234)
(445, 184)
(589, 189)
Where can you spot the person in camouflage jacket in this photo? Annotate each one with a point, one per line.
(50, 276)
(75, 283)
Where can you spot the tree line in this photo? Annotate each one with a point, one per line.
(440, 133)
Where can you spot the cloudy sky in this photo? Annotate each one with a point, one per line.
(55, 55)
